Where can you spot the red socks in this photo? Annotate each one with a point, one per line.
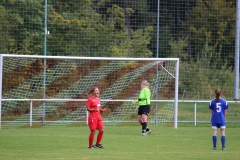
(90, 139)
(99, 137)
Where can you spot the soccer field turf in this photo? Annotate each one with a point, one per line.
(120, 142)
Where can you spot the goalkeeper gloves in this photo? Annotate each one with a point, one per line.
(135, 100)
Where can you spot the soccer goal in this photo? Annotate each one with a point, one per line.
(52, 90)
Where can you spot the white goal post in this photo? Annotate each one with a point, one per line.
(67, 79)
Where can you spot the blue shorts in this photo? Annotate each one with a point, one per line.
(218, 125)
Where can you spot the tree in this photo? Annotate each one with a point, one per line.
(83, 31)
(213, 22)
(128, 16)
(23, 37)
(4, 30)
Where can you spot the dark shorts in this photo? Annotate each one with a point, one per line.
(144, 110)
(218, 125)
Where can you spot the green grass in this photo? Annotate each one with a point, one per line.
(120, 142)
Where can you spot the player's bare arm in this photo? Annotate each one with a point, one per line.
(92, 109)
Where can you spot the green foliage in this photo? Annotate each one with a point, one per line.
(208, 73)
(78, 30)
(213, 21)
(135, 47)
(117, 16)
(4, 30)
(177, 48)
(25, 38)
(200, 32)
(97, 36)
(165, 38)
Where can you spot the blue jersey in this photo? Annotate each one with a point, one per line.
(218, 109)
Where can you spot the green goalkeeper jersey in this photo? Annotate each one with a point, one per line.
(144, 97)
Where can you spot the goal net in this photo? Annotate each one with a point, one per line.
(52, 90)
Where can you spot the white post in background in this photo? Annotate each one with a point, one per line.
(236, 60)
(30, 113)
(1, 72)
(87, 117)
(176, 95)
(195, 113)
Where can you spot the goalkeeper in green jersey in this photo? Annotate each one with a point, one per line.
(144, 106)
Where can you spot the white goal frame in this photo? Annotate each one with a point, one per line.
(96, 58)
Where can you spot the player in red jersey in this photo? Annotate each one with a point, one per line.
(95, 118)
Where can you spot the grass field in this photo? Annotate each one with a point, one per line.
(120, 142)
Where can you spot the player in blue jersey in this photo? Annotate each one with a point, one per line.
(218, 107)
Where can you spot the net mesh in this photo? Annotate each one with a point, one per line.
(72, 79)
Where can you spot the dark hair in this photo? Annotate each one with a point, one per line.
(92, 90)
(218, 94)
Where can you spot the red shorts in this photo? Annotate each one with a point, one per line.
(95, 124)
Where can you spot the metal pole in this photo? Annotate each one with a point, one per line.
(158, 24)
(87, 117)
(176, 95)
(30, 113)
(1, 72)
(44, 63)
(156, 85)
(195, 113)
(236, 64)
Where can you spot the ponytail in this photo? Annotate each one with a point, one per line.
(218, 93)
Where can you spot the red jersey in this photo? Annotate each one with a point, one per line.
(94, 103)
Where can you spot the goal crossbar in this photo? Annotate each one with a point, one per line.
(89, 58)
